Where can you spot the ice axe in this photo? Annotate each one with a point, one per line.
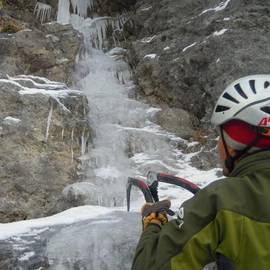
(154, 178)
(150, 187)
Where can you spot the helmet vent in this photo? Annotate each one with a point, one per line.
(229, 97)
(252, 86)
(221, 108)
(266, 109)
(266, 84)
(240, 91)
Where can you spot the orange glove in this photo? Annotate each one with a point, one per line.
(155, 213)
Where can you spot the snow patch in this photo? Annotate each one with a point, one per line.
(67, 217)
(62, 61)
(148, 39)
(220, 33)
(146, 9)
(11, 120)
(220, 7)
(152, 111)
(27, 256)
(166, 48)
(150, 56)
(226, 19)
(186, 48)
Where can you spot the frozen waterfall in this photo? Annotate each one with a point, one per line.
(126, 142)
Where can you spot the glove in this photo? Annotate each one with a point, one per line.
(155, 213)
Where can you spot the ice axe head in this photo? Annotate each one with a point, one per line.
(151, 178)
(142, 186)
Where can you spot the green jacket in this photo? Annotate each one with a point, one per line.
(229, 217)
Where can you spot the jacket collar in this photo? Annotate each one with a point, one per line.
(254, 162)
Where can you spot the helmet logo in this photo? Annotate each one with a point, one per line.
(264, 121)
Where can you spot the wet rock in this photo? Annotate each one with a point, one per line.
(43, 132)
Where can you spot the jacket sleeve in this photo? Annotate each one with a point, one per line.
(146, 249)
(188, 242)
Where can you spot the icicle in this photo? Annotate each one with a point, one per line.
(84, 139)
(72, 154)
(72, 138)
(83, 143)
(72, 135)
(63, 15)
(98, 34)
(81, 7)
(63, 131)
(49, 122)
(43, 11)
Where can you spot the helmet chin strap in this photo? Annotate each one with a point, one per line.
(230, 160)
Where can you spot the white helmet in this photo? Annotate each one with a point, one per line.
(246, 99)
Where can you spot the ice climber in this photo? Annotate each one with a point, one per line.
(227, 222)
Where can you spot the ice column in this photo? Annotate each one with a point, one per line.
(63, 15)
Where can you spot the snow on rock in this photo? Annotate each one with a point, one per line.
(27, 256)
(220, 7)
(150, 56)
(148, 39)
(220, 33)
(82, 193)
(67, 217)
(11, 120)
(147, 8)
(190, 46)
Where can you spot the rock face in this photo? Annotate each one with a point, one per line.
(49, 52)
(43, 132)
(29, 47)
(184, 53)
